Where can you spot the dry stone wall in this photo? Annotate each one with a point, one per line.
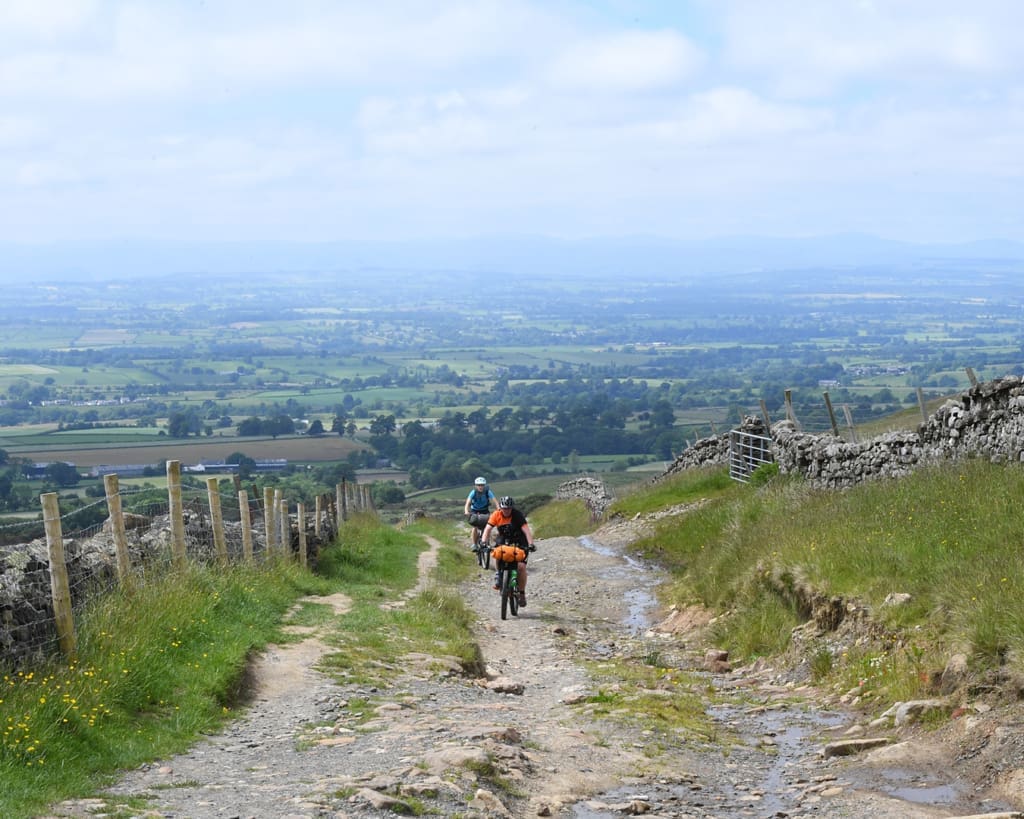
(27, 631)
(591, 490)
(713, 450)
(985, 421)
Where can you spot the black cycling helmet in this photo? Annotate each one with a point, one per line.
(506, 502)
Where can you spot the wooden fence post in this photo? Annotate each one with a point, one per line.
(849, 422)
(300, 513)
(176, 510)
(764, 415)
(831, 414)
(286, 540)
(920, 403)
(342, 492)
(220, 545)
(971, 376)
(60, 591)
(790, 414)
(268, 518)
(246, 519)
(319, 508)
(110, 486)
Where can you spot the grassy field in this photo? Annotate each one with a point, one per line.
(295, 449)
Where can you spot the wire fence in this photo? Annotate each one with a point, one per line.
(54, 566)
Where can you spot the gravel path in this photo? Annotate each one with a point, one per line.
(520, 741)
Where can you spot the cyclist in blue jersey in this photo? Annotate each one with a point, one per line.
(478, 508)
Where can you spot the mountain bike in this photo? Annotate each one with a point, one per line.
(506, 561)
(483, 550)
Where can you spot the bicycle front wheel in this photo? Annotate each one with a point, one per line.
(508, 598)
(510, 594)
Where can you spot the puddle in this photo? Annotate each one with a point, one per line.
(919, 788)
(640, 599)
(776, 755)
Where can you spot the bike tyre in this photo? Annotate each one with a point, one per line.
(480, 555)
(513, 593)
(485, 556)
(506, 596)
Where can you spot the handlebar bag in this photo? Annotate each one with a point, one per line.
(508, 553)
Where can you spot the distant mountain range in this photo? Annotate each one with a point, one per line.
(506, 255)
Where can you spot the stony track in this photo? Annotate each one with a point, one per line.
(526, 739)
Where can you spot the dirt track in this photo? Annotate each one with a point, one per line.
(528, 738)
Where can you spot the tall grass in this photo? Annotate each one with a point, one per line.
(949, 536)
(156, 665)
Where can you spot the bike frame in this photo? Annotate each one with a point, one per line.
(508, 582)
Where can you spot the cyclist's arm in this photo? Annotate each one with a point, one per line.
(529, 534)
(486, 533)
(466, 512)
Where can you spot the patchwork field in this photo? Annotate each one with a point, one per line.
(297, 448)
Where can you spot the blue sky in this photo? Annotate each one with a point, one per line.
(328, 120)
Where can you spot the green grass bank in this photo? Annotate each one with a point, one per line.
(162, 663)
(945, 542)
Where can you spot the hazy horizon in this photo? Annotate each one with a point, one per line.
(517, 256)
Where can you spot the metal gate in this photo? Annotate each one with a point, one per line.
(746, 453)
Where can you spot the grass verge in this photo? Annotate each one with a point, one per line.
(157, 665)
(374, 568)
(568, 518)
(161, 664)
(942, 541)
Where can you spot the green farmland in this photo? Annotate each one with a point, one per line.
(604, 377)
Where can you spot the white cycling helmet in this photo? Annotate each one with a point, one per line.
(481, 481)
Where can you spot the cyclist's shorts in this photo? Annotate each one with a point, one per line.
(508, 554)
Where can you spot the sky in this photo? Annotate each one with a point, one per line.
(327, 120)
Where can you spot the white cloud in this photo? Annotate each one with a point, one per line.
(810, 49)
(18, 132)
(503, 115)
(626, 62)
(43, 19)
(737, 114)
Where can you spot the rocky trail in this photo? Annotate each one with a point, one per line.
(530, 738)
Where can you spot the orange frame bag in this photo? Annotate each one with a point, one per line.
(508, 553)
